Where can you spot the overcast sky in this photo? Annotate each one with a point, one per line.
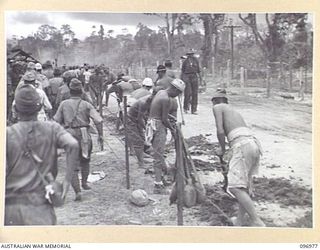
(26, 23)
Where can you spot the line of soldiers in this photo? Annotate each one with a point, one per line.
(55, 113)
(74, 97)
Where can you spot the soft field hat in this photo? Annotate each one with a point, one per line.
(147, 82)
(29, 76)
(38, 66)
(179, 84)
(75, 84)
(220, 93)
(27, 99)
(190, 52)
(161, 68)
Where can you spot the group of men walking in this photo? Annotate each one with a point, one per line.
(57, 113)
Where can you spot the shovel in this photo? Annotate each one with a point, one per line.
(182, 118)
(190, 193)
(224, 172)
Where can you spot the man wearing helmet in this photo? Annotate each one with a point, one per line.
(44, 82)
(64, 91)
(147, 85)
(163, 107)
(29, 78)
(163, 80)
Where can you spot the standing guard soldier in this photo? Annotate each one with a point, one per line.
(190, 74)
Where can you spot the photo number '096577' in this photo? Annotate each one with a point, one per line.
(308, 246)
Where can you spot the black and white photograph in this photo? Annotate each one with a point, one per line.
(159, 119)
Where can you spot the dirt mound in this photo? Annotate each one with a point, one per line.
(275, 190)
(200, 145)
(217, 197)
(282, 191)
(303, 222)
(206, 166)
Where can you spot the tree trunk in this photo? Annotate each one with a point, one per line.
(170, 34)
(208, 39)
(269, 79)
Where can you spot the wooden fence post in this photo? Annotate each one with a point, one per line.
(290, 78)
(213, 68)
(245, 77)
(268, 81)
(242, 79)
(228, 73)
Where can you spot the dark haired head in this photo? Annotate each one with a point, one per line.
(217, 100)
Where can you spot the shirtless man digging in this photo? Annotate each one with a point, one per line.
(246, 153)
(163, 106)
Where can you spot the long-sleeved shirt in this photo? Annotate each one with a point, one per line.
(190, 66)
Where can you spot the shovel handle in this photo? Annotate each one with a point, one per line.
(224, 172)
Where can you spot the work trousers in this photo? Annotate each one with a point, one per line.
(191, 92)
(83, 163)
(158, 144)
(136, 137)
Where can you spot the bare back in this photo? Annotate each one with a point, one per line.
(227, 118)
(157, 104)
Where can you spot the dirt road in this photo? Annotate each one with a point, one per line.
(283, 186)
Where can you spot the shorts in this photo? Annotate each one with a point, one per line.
(244, 163)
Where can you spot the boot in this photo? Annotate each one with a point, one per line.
(75, 183)
(78, 197)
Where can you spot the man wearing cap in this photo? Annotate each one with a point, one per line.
(147, 85)
(54, 84)
(29, 78)
(32, 148)
(246, 151)
(121, 87)
(44, 82)
(64, 91)
(163, 81)
(163, 108)
(75, 114)
(30, 68)
(190, 72)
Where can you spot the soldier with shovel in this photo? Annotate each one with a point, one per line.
(245, 158)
